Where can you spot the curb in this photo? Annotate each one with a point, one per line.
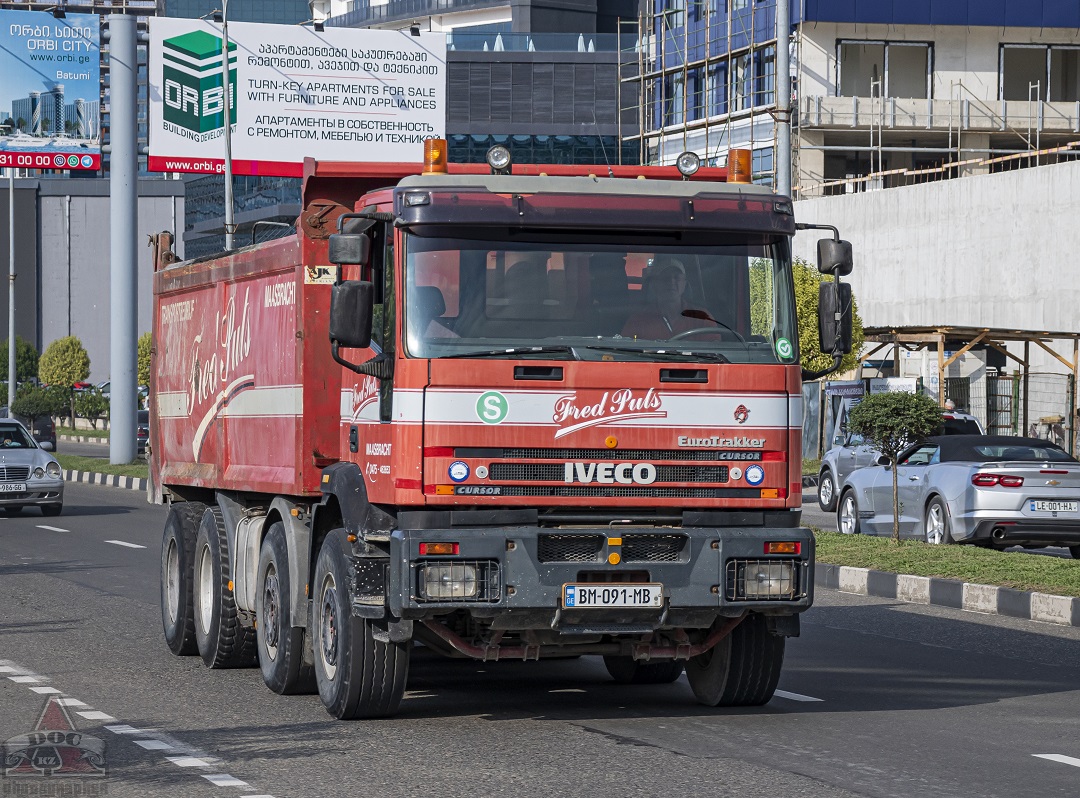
(83, 439)
(109, 480)
(1026, 605)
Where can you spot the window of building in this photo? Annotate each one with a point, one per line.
(740, 82)
(765, 76)
(674, 99)
(884, 69)
(1040, 72)
(695, 79)
(718, 88)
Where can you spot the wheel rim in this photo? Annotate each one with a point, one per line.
(825, 489)
(847, 516)
(935, 525)
(328, 627)
(172, 581)
(270, 613)
(204, 590)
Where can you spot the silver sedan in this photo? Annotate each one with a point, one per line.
(28, 474)
(989, 490)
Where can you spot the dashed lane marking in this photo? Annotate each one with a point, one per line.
(123, 728)
(188, 762)
(125, 543)
(225, 780)
(71, 702)
(24, 679)
(1065, 760)
(46, 690)
(795, 696)
(153, 745)
(95, 715)
(52, 528)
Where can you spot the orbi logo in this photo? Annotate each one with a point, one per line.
(191, 77)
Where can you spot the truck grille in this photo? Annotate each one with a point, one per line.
(14, 473)
(551, 472)
(569, 548)
(621, 455)
(653, 548)
(628, 491)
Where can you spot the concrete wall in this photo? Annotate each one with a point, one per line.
(986, 251)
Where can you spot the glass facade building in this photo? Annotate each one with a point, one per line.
(284, 12)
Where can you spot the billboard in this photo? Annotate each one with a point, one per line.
(50, 95)
(343, 94)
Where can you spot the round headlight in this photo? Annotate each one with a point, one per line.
(498, 158)
(39, 472)
(688, 163)
(53, 469)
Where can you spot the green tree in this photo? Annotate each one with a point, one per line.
(143, 369)
(91, 404)
(807, 280)
(32, 402)
(890, 422)
(26, 358)
(63, 363)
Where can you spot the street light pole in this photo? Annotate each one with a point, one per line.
(783, 98)
(11, 289)
(226, 85)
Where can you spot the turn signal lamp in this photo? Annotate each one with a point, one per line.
(770, 493)
(444, 490)
(738, 166)
(435, 157)
(428, 549)
(783, 547)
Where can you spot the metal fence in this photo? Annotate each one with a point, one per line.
(1047, 410)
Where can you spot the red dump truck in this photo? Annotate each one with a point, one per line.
(502, 411)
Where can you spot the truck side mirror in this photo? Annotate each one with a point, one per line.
(833, 257)
(351, 310)
(350, 249)
(834, 318)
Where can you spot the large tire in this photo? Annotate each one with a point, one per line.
(627, 670)
(1075, 552)
(223, 641)
(742, 670)
(826, 491)
(177, 563)
(358, 676)
(847, 516)
(281, 645)
(936, 523)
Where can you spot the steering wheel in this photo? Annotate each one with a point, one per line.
(707, 330)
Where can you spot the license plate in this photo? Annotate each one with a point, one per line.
(613, 595)
(1053, 507)
(12, 487)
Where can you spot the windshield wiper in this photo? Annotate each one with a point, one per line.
(668, 354)
(518, 350)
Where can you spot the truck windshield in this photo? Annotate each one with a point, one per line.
(730, 301)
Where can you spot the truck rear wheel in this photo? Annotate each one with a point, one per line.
(177, 562)
(223, 641)
(281, 645)
(627, 670)
(358, 676)
(742, 670)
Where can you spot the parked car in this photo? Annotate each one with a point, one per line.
(853, 452)
(29, 476)
(992, 490)
(42, 428)
(142, 431)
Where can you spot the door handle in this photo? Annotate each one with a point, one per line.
(913, 478)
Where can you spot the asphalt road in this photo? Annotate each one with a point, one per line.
(878, 699)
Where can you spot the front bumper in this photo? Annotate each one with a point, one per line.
(38, 491)
(521, 572)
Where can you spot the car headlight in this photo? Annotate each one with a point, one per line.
(39, 473)
(53, 469)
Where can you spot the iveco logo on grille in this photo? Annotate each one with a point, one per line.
(610, 473)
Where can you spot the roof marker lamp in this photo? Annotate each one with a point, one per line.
(498, 158)
(688, 163)
(435, 157)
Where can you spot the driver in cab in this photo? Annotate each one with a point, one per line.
(666, 313)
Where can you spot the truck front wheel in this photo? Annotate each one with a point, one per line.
(177, 562)
(358, 676)
(742, 670)
(627, 670)
(223, 641)
(281, 645)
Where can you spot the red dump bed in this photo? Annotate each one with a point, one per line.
(244, 388)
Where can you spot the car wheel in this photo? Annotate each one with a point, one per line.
(936, 523)
(51, 510)
(1075, 552)
(847, 519)
(826, 491)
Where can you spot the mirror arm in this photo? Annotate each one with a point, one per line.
(809, 226)
(381, 366)
(807, 376)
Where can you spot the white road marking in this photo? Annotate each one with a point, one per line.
(46, 690)
(188, 762)
(96, 715)
(796, 696)
(225, 780)
(24, 679)
(9, 669)
(71, 702)
(123, 728)
(52, 528)
(125, 543)
(1065, 760)
(153, 745)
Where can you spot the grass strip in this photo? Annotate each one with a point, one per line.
(101, 465)
(83, 433)
(1023, 571)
